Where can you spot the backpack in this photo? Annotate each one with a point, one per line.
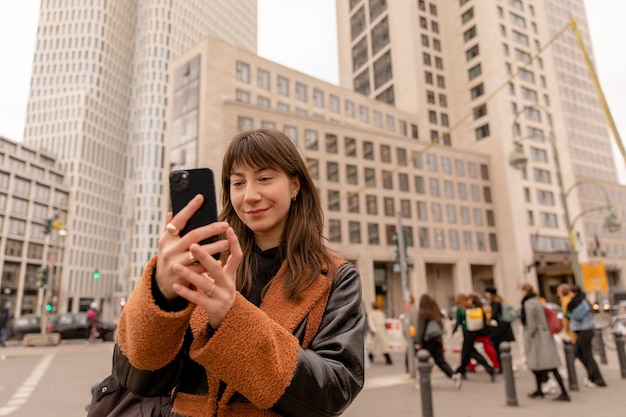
(555, 324)
(474, 319)
(508, 313)
(91, 314)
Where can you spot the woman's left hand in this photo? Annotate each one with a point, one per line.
(215, 289)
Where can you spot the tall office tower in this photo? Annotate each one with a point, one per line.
(489, 76)
(98, 101)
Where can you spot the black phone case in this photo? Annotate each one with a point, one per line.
(184, 186)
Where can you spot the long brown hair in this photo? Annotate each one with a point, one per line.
(429, 308)
(306, 254)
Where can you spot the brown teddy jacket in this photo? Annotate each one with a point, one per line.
(285, 358)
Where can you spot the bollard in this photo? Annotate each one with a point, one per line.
(621, 355)
(506, 362)
(570, 355)
(598, 344)
(425, 367)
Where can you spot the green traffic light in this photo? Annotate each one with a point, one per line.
(48, 307)
(96, 275)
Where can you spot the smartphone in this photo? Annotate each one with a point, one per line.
(184, 186)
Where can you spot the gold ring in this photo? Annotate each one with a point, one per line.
(172, 229)
(190, 257)
(210, 291)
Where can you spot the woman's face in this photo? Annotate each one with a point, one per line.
(261, 198)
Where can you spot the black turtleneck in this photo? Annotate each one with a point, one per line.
(265, 266)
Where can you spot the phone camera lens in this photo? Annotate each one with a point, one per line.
(175, 177)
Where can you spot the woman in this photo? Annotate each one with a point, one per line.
(274, 327)
(377, 327)
(500, 330)
(468, 350)
(580, 317)
(539, 345)
(428, 335)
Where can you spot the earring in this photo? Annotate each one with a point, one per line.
(294, 197)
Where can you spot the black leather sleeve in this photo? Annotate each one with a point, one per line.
(329, 373)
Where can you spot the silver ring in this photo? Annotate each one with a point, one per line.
(210, 291)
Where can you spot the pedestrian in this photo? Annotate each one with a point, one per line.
(275, 326)
(580, 315)
(564, 292)
(377, 326)
(6, 316)
(539, 345)
(500, 330)
(468, 350)
(92, 322)
(428, 335)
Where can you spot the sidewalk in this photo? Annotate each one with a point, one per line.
(389, 391)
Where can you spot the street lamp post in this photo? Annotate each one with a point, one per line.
(518, 160)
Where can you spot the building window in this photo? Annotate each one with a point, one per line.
(310, 139)
(403, 182)
(380, 36)
(364, 112)
(420, 188)
(357, 23)
(243, 72)
(334, 103)
(472, 52)
(482, 132)
(382, 70)
(469, 33)
(368, 150)
(362, 82)
(377, 7)
(332, 171)
(244, 123)
(333, 200)
(331, 143)
(387, 180)
(353, 203)
(422, 210)
(349, 108)
(389, 205)
(334, 230)
(313, 167)
(370, 177)
(480, 111)
(355, 232)
(301, 91)
(318, 97)
(453, 236)
(282, 84)
(349, 145)
(359, 54)
(263, 79)
(242, 96)
(387, 96)
(475, 71)
(467, 15)
(373, 234)
(477, 91)
(423, 237)
(351, 174)
(372, 205)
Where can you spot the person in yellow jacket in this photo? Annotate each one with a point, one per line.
(565, 296)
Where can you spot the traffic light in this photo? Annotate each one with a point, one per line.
(47, 227)
(48, 307)
(42, 277)
(96, 274)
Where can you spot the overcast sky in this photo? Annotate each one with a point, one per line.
(299, 34)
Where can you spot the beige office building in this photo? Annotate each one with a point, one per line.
(98, 101)
(481, 75)
(369, 161)
(33, 189)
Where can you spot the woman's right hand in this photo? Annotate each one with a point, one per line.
(174, 249)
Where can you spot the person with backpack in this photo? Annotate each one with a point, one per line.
(539, 345)
(6, 315)
(580, 317)
(92, 323)
(500, 323)
(472, 320)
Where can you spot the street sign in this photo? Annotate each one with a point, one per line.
(594, 277)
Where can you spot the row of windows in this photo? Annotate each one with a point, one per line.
(382, 73)
(440, 239)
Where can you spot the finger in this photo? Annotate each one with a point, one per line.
(236, 253)
(182, 217)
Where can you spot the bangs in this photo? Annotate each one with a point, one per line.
(259, 151)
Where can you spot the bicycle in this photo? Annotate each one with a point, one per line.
(617, 324)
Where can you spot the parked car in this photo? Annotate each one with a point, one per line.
(75, 326)
(25, 324)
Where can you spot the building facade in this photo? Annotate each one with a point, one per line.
(98, 101)
(486, 76)
(33, 190)
(368, 160)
